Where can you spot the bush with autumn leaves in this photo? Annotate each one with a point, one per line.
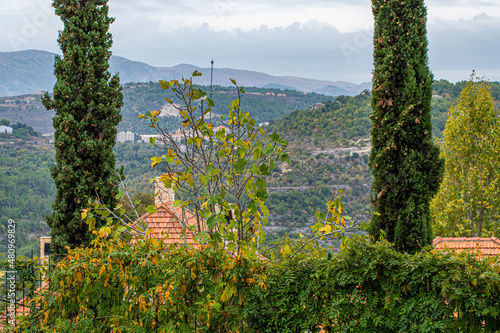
(145, 286)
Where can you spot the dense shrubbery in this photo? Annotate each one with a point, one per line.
(368, 287)
(145, 287)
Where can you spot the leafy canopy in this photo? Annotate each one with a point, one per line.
(468, 204)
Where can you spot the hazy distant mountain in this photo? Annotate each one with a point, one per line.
(25, 72)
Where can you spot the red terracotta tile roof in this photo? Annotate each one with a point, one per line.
(166, 222)
(485, 246)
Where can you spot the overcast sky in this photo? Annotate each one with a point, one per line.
(320, 39)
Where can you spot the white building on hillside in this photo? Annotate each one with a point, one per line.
(126, 137)
(5, 129)
(146, 137)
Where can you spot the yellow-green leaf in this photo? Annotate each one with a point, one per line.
(156, 160)
(198, 141)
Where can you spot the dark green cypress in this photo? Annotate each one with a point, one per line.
(405, 162)
(87, 102)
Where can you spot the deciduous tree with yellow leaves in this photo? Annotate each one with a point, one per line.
(468, 202)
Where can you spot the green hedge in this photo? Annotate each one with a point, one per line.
(368, 287)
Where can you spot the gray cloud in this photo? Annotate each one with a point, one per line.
(322, 53)
(167, 33)
(458, 47)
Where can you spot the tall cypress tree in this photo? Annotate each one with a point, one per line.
(87, 102)
(404, 160)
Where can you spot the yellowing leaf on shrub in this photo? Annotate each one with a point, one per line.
(198, 141)
(156, 160)
(326, 229)
(287, 249)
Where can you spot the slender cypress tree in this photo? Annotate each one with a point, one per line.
(404, 160)
(87, 101)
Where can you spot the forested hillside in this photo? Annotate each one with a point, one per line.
(311, 180)
(452, 90)
(26, 191)
(345, 120)
(263, 104)
(328, 149)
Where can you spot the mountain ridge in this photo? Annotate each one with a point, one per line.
(25, 72)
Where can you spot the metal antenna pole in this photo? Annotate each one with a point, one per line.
(211, 78)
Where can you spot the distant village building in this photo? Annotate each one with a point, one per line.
(5, 129)
(146, 137)
(169, 110)
(285, 167)
(177, 137)
(49, 136)
(126, 137)
(215, 129)
(29, 99)
(316, 106)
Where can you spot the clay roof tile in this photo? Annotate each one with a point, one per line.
(486, 246)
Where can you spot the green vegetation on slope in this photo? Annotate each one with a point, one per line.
(145, 97)
(345, 119)
(26, 193)
(295, 196)
(19, 130)
(452, 90)
(23, 161)
(341, 119)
